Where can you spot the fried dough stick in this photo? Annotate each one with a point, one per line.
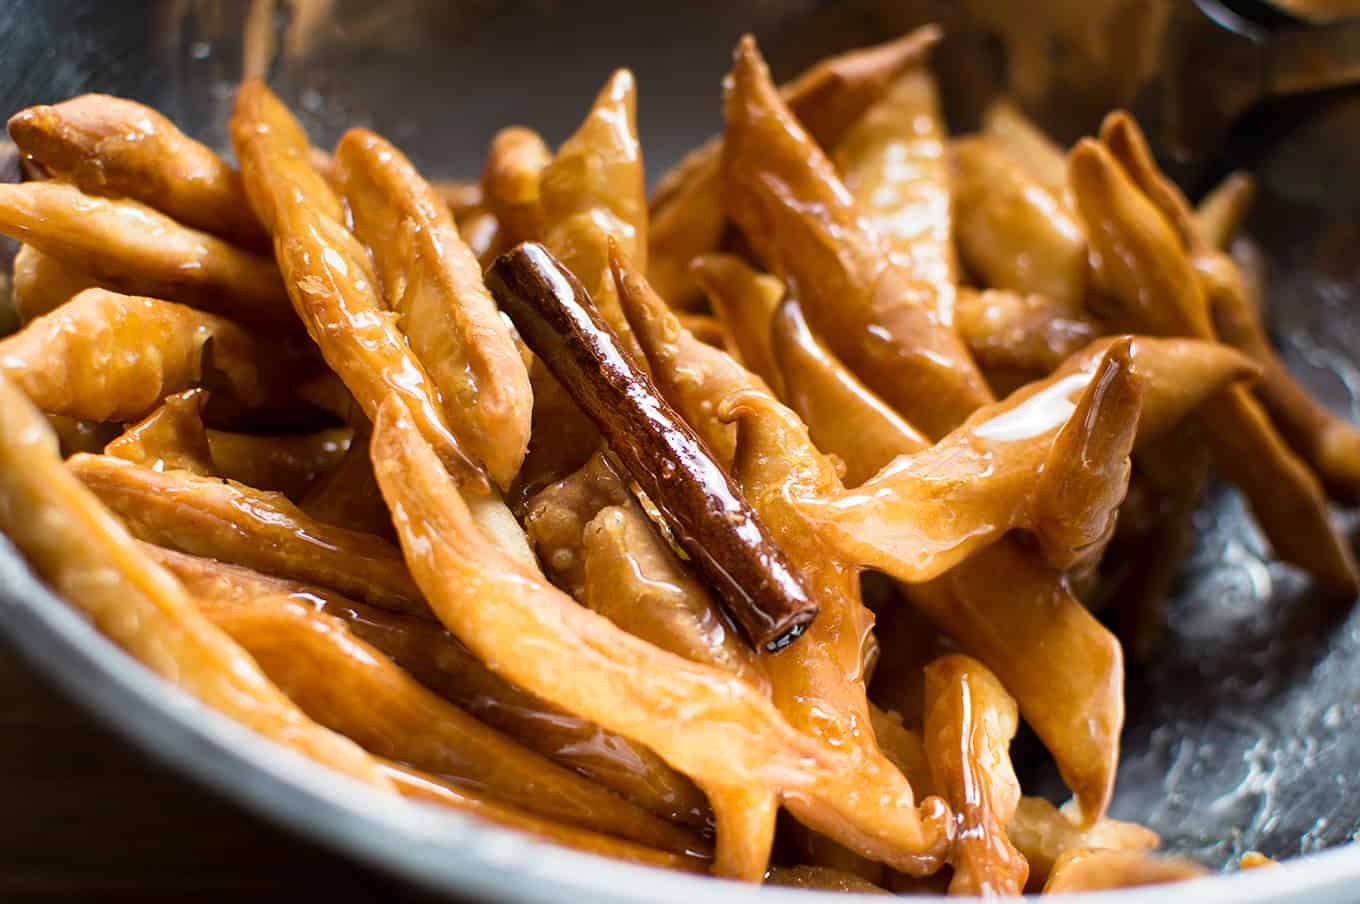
(328, 273)
(41, 283)
(75, 545)
(818, 683)
(801, 221)
(135, 249)
(510, 183)
(969, 723)
(1145, 267)
(1009, 129)
(687, 213)
(1221, 212)
(433, 282)
(706, 723)
(116, 147)
(745, 301)
(352, 688)
(593, 190)
(211, 517)
(1052, 458)
(895, 162)
(441, 663)
(1029, 333)
(1031, 633)
(1012, 231)
(109, 357)
(1096, 869)
(1327, 442)
(417, 785)
(845, 418)
(1043, 833)
(599, 545)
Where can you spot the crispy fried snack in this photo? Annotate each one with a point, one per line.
(128, 245)
(433, 282)
(352, 688)
(598, 545)
(895, 162)
(109, 357)
(458, 196)
(1221, 212)
(1027, 145)
(1094, 869)
(706, 723)
(803, 224)
(80, 549)
(1052, 458)
(687, 209)
(818, 683)
(328, 272)
(744, 300)
(41, 283)
(1029, 333)
(1043, 833)
(969, 723)
(421, 786)
(845, 418)
(1329, 444)
(287, 464)
(510, 182)
(228, 521)
(1012, 231)
(594, 191)
(119, 148)
(171, 438)
(1145, 267)
(1009, 610)
(440, 662)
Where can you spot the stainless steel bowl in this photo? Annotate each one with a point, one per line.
(1240, 731)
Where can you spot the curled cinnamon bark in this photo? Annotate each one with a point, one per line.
(706, 723)
(818, 684)
(712, 521)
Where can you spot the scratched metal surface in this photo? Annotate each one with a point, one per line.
(1241, 733)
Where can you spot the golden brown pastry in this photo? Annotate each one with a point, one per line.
(119, 148)
(72, 542)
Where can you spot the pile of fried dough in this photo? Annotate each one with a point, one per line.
(269, 429)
